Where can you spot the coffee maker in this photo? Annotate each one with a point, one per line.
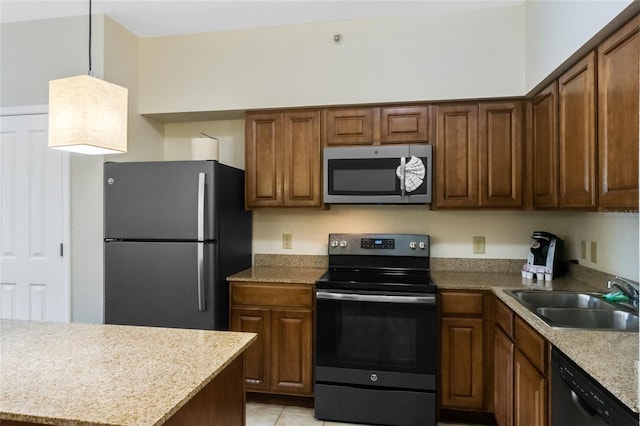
(546, 255)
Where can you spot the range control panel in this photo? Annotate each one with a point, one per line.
(379, 244)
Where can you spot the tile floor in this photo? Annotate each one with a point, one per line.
(261, 414)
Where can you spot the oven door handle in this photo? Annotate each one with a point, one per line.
(352, 297)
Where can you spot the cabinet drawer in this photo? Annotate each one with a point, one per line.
(460, 302)
(272, 294)
(531, 344)
(504, 317)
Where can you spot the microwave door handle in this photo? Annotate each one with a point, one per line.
(402, 170)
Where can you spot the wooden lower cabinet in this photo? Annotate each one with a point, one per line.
(291, 366)
(529, 393)
(281, 359)
(521, 368)
(462, 351)
(503, 378)
(462, 363)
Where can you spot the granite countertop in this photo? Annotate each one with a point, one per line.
(92, 374)
(279, 274)
(610, 357)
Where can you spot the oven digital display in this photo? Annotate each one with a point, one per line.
(377, 243)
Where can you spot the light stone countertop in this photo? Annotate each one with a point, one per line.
(610, 357)
(93, 374)
(279, 274)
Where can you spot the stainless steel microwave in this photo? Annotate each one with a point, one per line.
(390, 174)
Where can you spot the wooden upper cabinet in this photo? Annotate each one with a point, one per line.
(618, 88)
(500, 154)
(282, 159)
(456, 152)
(376, 125)
(544, 147)
(263, 160)
(479, 155)
(404, 125)
(350, 126)
(301, 145)
(577, 134)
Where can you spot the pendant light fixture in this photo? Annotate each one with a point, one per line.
(87, 115)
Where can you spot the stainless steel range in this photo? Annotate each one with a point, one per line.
(376, 341)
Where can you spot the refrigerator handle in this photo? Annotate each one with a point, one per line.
(201, 177)
(201, 302)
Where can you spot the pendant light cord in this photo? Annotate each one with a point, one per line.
(90, 69)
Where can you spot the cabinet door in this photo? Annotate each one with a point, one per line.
(462, 363)
(530, 394)
(577, 134)
(301, 149)
(404, 124)
(503, 379)
(544, 161)
(618, 87)
(500, 150)
(291, 352)
(263, 160)
(456, 147)
(350, 126)
(257, 356)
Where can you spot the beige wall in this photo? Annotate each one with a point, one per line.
(556, 29)
(455, 55)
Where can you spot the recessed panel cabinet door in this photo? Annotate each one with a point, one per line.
(257, 356)
(618, 88)
(530, 394)
(301, 151)
(404, 124)
(291, 351)
(500, 148)
(462, 363)
(577, 135)
(263, 160)
(350, 126)
(456, 155)
(545, 147)
(503, 379)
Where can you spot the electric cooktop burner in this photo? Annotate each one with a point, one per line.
(379, 263)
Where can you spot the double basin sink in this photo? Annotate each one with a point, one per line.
(589, 311)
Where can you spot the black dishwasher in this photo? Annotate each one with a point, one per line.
(578, 400)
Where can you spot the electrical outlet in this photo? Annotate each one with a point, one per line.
(286, 241)
(478, 245)
(594, 252)
(583, 250)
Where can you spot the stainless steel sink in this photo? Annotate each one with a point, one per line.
(593, 319)
(565, 309)
(561, 299)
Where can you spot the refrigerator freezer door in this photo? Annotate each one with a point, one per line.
(161, 284)
(171, 200)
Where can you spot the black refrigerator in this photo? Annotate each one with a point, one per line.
(173, 232)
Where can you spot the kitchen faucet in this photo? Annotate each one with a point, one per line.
(629, 288)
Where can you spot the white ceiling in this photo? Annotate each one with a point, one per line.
(151, 18)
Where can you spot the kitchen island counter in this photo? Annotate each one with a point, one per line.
(92, 374)
(610, 357)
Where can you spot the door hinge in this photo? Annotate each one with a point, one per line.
(61, 249)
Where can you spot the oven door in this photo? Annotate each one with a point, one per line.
(373, 339)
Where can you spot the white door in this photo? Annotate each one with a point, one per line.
(34, 283)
